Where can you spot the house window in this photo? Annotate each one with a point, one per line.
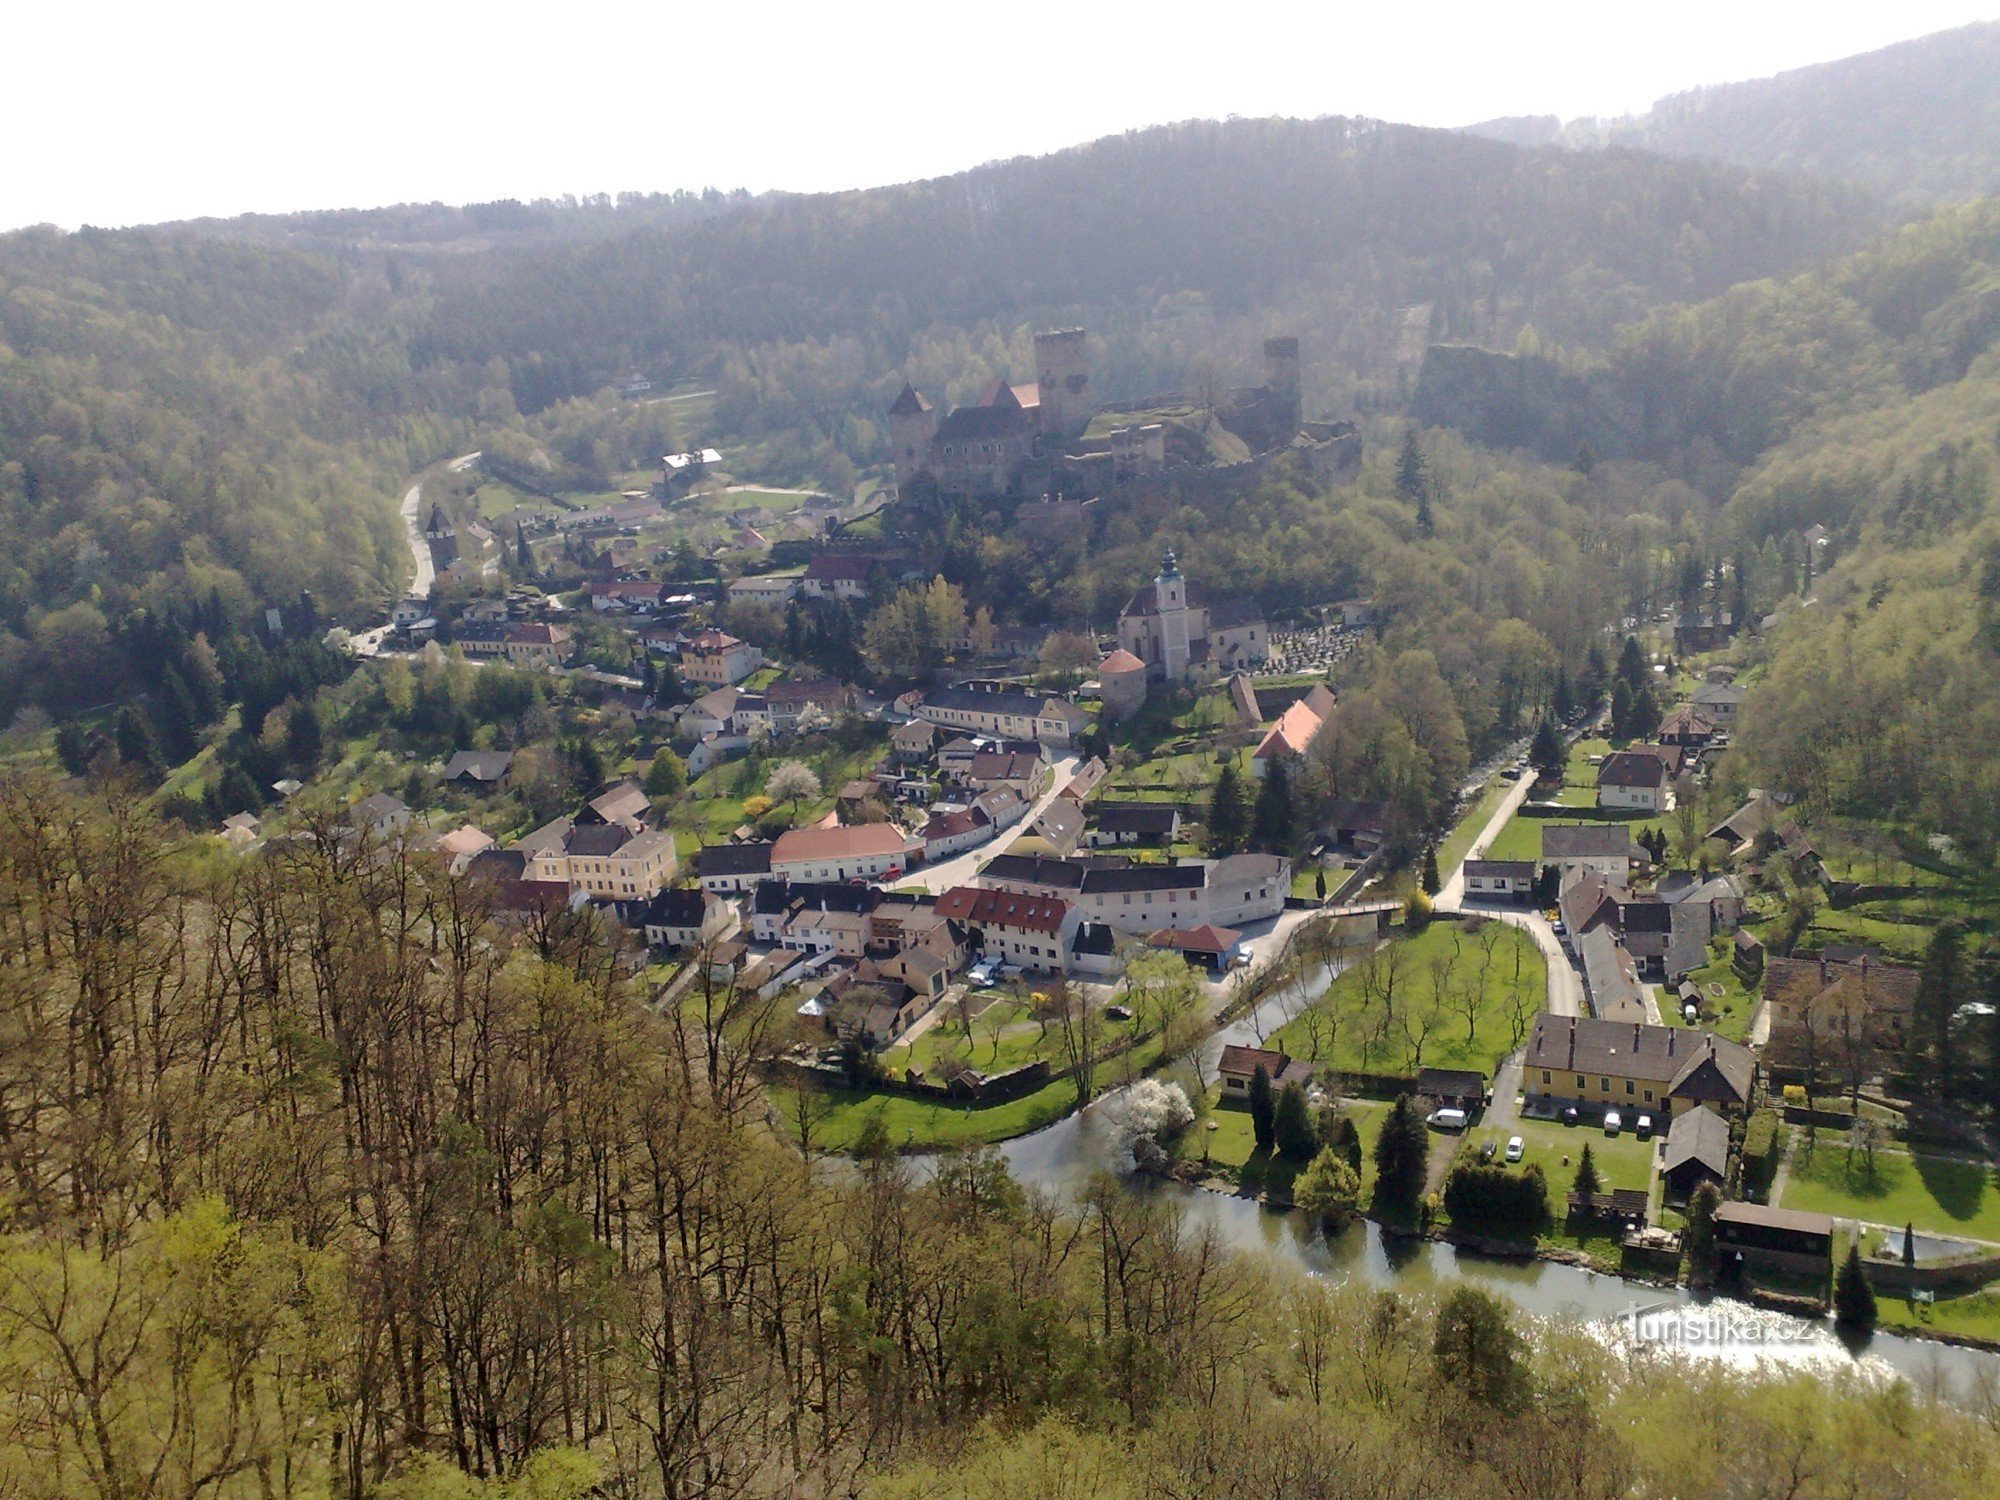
(1579, 1082)
(1605, 1084)
(1628, 1088)
(1649, 1096)
(1545, 1075)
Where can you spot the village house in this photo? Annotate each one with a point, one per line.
(764, 588)
(1606, 848)
(1722, 895)
(839, 575)
(911, 744)
(1059, 826)
(1687, 727)
(519, 643)
(602, 859)
(790, 699)
(1599, 1064)
(1719, 700)
(865, 851)
(1238, 1067)
(1499, 879)
(1358, 827)
(680, 917)
(1638, 779)
(1294, 732)
(1022, 772)
(730, 869)
(459, 848)
(1696, 633)
(1844, 1011)
(1006, 927)
(998, 712)
(1786, 1240)
(1611, 977)
(626, 595)
(1116, 824)
(1034, 875)
(714, 658)
(954, 831)
(381, 814)
(478, 770)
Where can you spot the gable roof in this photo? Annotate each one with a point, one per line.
(990, 908)
(1585, 841)
(478, 765)
(734, 859)
(842, 567)
(1632, 768)
(1205, 939)
(1698, 1135)
(1615, 994)
(1034, 869)
(856, 841)
(1293, 734)
(1099, 880)
(1146, 819)
(1633, 1049)
(1121, 660)
(909, 403)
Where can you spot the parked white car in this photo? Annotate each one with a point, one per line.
(1612, 1122)
(1516, 1148)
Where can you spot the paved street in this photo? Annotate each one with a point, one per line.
(960, 868)
(1565, 984)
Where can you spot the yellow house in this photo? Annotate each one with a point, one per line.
(1630, 1065)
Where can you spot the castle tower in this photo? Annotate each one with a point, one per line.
(1062, 369)
(443, 540)
(1281, 384)
(1170, 598)
(911, 423)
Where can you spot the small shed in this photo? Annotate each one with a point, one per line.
(1453, 1088)
(1697, 1152)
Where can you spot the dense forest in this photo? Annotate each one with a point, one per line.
(321, 1182)
(1917, 120)
(1864, 399)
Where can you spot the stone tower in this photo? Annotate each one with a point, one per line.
(911, 422)
(1170, 598)
(1062, 369)
(443, 540)
(1281, 385)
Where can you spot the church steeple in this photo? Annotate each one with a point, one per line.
(1170, 599)
(1168, 567)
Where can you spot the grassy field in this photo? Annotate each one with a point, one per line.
(1579, 788)
(916, 1123)
(1975, 1315)
(712, 806)
(1623, 1161)
(1522, 837)
(1189, 776)
(1458, 842)
(1346, 1027)
(1230, 1149)
(1004, 1035)
(1937, 1194)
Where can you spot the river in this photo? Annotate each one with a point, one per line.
(1063, 1156)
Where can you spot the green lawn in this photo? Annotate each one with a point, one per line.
(1397, 985)
(1189, 776)
(1975, 1315)
(1936, 1194)
(1230, 1149)
(1727, 1014)
(1459, 841)
(1623, 1161)
(712, 806)
(1522, 837)
(1579, 788)
(1003, 1036)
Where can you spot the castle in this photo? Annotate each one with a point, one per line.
(1018, 440)
(1170, 627)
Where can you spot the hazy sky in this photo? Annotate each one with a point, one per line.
(118, 113)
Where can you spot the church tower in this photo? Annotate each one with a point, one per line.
(911, 423)
(442, 538)
(1170, 598)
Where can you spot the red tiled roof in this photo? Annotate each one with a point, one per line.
(965, 903)
(853, 841)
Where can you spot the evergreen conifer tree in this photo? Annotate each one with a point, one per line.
(1228, 816)
(1263, 1112)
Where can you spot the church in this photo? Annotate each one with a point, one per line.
(1171, 627)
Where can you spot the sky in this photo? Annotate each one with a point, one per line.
(118, 113)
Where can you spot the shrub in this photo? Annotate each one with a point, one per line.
(1493, 1200)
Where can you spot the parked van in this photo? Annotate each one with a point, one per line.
(1448, 1119)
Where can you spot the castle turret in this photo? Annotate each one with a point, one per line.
(1170, 598)
(1062, 371)
(911, 423)
(1282, 387)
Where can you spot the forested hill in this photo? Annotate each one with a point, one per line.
(1864, 399)
(1918, 120)
(1174, 241)
(223, 414)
